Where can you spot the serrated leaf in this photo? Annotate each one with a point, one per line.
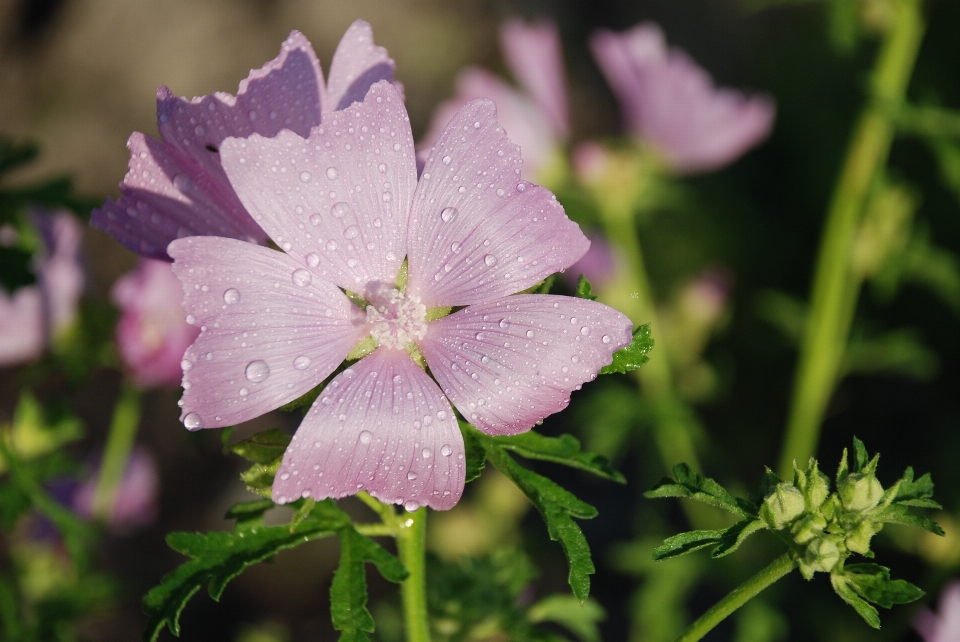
(262, 447)
(724, 541)
(849, 595)
(547, 284)
(917, 493)
(733, 536)
(348, 592)
(899, 514)
(218, 557)
(633, 356)
(860, 455)
(563, 450)
(873, 583)
(584, 289)
(557, 506)
(246, 511)
(259, 477)
(693, 485)
(565, 610)
(476, 456)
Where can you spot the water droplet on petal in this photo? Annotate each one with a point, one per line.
(411, 476)
(301, 277)
(341, 209)
(366, 437)
(606, 339)
(490, 260)
(231, 296)
(386, 196)
(441, 415)
(332, 173)
(315, 220)
(575, 359)
(448, 214)
(305, 177)
(331, 245)
(427, 453)
(186, 365)
(244, 392)
(504, 324)
(351, 232)
(446, 450)
(585, 331)
(411, 506)
(446, 160)
(182, 182)
(193, 421)
(191, 319)
(529, 334)
(382, 168)
(301, 363)
(313, 259)
(257, 371)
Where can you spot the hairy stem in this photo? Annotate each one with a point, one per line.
(412, 550)
(835, 287)
(738, 597)
(123, 432)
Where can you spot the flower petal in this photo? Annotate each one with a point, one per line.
(168, 195)
(507, 364)
(270, 330)
(535, 57)
(381, 426)
(477, 231)
(357, 64)
(337, 201)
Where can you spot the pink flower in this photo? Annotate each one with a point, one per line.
(34, 315)
(598, 265)
(346, 207)
(671, 103)
(944, 627)
(176, 186)
(135, 503)
(151, 333)
(536, 120)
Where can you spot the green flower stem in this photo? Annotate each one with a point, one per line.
(123, 432)
(412, 550)
(738, 597)
(835, 287)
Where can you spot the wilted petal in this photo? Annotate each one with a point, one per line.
(337, 201)
(381, 426)
(509, 363)
(535, 57)
(270, 329)
(167, 195)
(477, 230)
(358, 63)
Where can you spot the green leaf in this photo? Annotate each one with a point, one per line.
(559, 450)
(547, 284)
(565, 610)
(723, 541)
(218, 557)
(476, 455)
(917, 493)
(843, 588)
(733, 536)
(584, 290)
(634, 355)
(873, 583)
(348, 593)
(557, 506)
(13, 154)
(860, 455)
(899, 514)
(263, 447)
(693, 485)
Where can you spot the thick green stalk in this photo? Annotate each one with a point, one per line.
(835, 288)
(412, 550)
(123, 432)
(738, 597)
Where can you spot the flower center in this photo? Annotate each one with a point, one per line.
(396, 319)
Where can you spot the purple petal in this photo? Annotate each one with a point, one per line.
(507, 364)
(381, 426)
(167, 195)
(270, 329)
(535, 57)
(477, 231)
(522, 120)
(357, 65)
(337, 201)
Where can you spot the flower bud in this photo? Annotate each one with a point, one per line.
(782, 506)
(822, 554)
(808, 527)
(861, 491)
(858, 538)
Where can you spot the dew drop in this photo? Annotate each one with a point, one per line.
(366, 437)
(186, 365)
(585, 331)
(446, 450)
(301, 362)
(305, 177)
(446, 160)
(301, 277)
(351, 232)
(490, 260)
(193, 421)
(386, 196)
(382, 168)
(427, 453)
(313, 259)
(315, 220)
(341, 209)
(332, 173)
(331, 245)
(504, 324)
(231, 296)
(606, 339)
(182, 182)
(411, 506)
(529, 334)
(575, 359)
(191, 319)
(442, 415)
(448, 214)
(244, 392)
(411, 476)
(257, 371)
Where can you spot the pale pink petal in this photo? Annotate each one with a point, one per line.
(357, 65)
(22, 326)
(135, 503)
(520, 118)
(598, 265)
(950, 612)
(270, 329)
(151, 333)
(535, 57)
(168, 195)
(337, 201)
(60, 273)
(381, 426)
(477, 230)
(507, 364)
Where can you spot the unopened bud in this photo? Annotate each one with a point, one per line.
(782, 506)
(808, 527)
(858, 539)
(822, 554)
(861, 491)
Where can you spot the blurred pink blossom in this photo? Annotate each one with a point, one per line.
(704, 299)
(598, 265)
(276, 324)
(176, 186)
(135, 503)
(151, 333)
(671, 104)
(34, 315)
(945, 625)
(536, 119)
